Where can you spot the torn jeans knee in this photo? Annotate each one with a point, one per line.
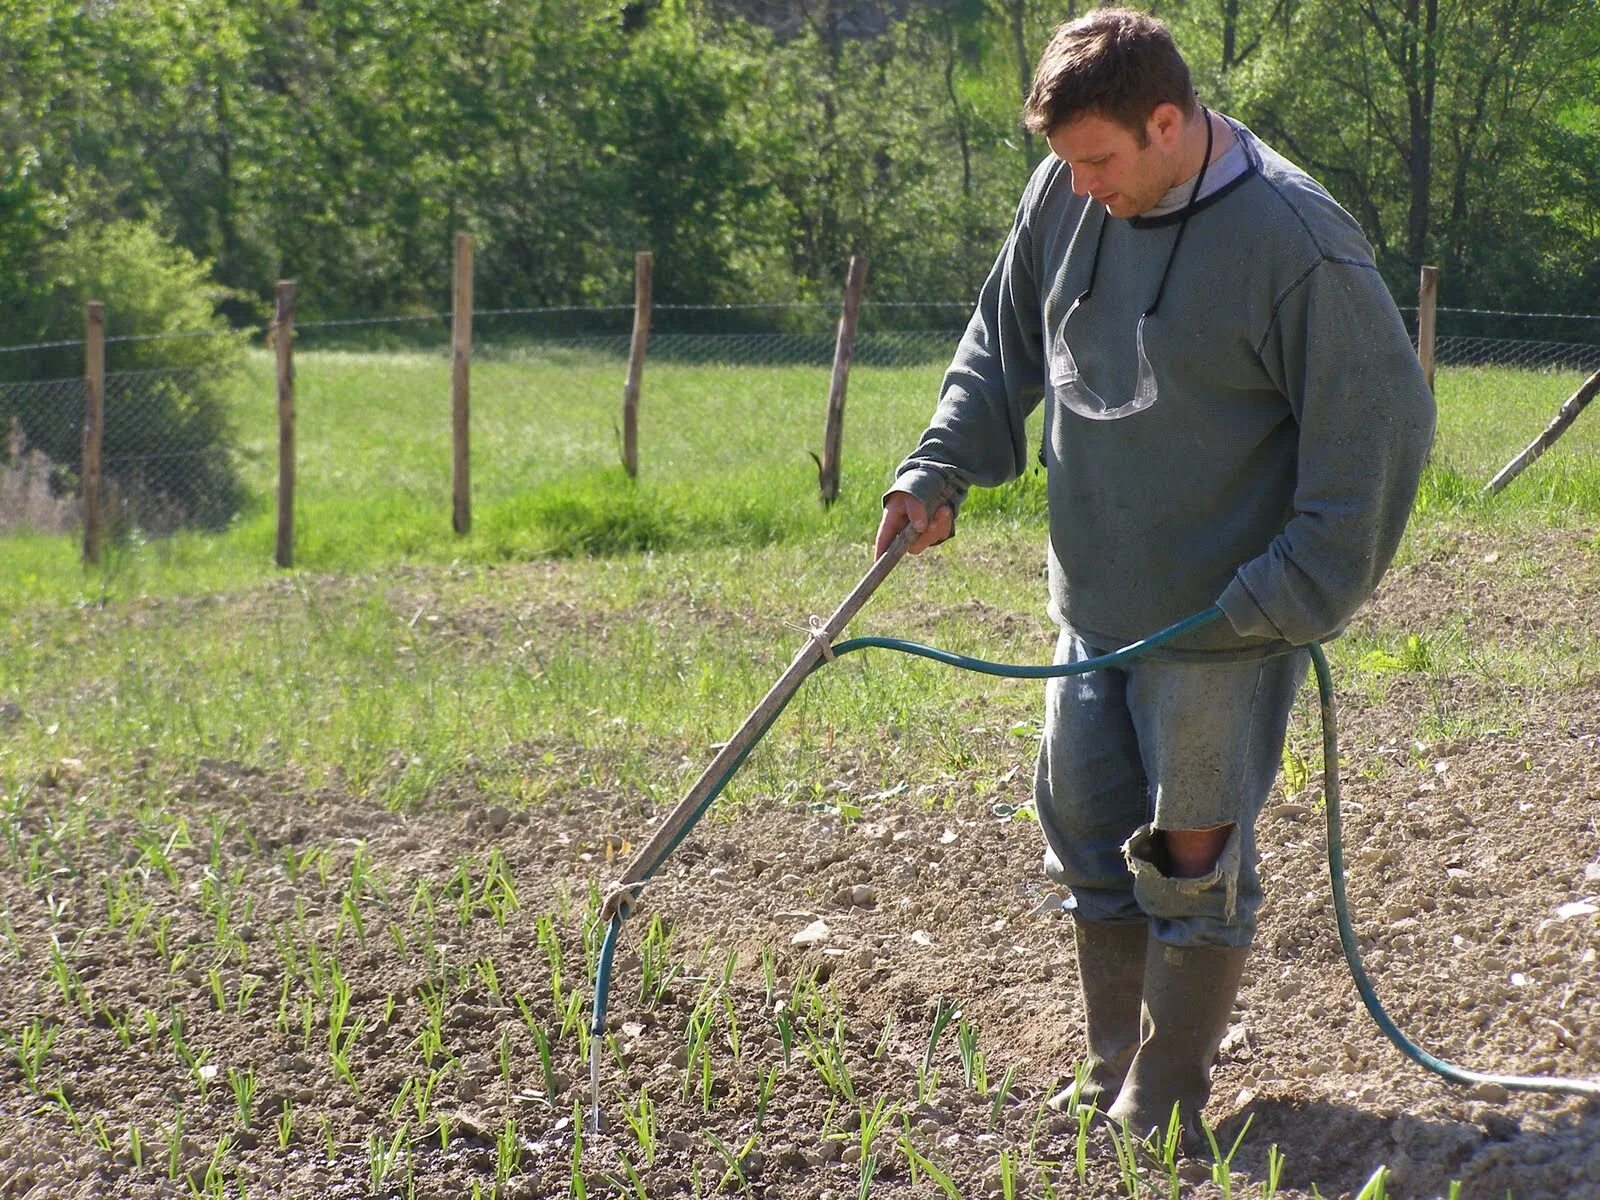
(1210, 900)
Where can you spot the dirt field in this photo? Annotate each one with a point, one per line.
(1474, 876)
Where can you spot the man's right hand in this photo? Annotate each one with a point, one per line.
(902, 507)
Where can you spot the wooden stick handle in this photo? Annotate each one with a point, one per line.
(650, 855)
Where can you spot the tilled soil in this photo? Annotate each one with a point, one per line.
(1474, 882)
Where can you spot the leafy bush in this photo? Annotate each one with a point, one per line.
(167, 445)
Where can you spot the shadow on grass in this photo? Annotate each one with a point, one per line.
(606, 512)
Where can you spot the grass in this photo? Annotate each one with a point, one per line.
(654, 613)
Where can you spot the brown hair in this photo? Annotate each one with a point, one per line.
(1116, 62)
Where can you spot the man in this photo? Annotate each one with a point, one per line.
(1234, 416)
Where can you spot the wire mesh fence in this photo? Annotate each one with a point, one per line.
(1475, 337)
(42, 426)
(187, 447)
(168, 458)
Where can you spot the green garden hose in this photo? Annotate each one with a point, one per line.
(1330, 759)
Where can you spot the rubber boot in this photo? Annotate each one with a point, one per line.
(1188, 997)
(1111, 966)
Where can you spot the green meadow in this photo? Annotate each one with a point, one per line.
(636, 619)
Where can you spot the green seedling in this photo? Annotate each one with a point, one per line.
(135, 1147)
(575, 1021)
(872, 1124)
(499, 894)
(485, 970)
(882, 1048)
(175, 1146)
(541, 1045)
(1222, 1164)
(508, 1148)
(459, 890)
(733, 1028)
(505, 1057)
(158, 936)
(191, 1061)
(1377, 1187)
(734, 1160)
(1008, 1174)
(244, 1086)
(422, 900)
(400, 1100)
(364, 880)
(382, 1158)
(656, 970)
(764, 1095)
(342, 1034)
(59, 1095)
(641, 1119)
(577, 1185)
(1081, 1150)
(248, 986)
(285, 1125)
(320, 971)
(31, 1049)
(120, 900)
(827, 1056)
(544, 932)
(974, 1068)
(219, 994)
(697, 1066)
(634, 1182)
(917, 1161)
(156, 854)
(138, 921)
(1269, 1188)
(214, 1181)
(68, 982)
(769, 974)
(1000, 1094)
(217, 824)
(444, 1131)
(430, 1039)
(350, 913)
(785, 1023)
(308, 1019)
(942, 1016)
(1167, 1151)
(1125, 1146)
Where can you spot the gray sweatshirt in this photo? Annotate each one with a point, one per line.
(1277, 466)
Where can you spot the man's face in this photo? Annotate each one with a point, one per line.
(1109, 164)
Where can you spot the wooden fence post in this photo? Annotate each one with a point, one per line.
(843, 349)
(1427, 319)
(94, 354)
(643, 263)
(283, 342)
(460, 384)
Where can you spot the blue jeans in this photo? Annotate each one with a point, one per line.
(1151, 745)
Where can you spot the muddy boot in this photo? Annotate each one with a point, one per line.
(1111, 962)
(1188, 998)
